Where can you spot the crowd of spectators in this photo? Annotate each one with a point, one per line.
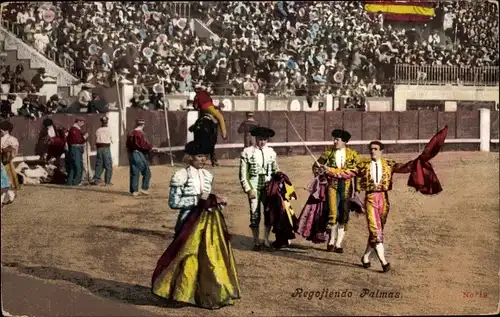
(34, 106)
(15, 80)
(278, 48)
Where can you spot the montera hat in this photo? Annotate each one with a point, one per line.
(47, 122)
(262, 132)
(6, 126)
(342, 134)
(196, 148)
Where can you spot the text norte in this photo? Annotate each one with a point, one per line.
(328, 293)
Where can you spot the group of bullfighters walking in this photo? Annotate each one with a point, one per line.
(185, 272)
(198, 267)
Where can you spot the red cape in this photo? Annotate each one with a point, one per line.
(422, 175)
(202, 100)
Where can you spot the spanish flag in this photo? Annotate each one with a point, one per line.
(409, 10)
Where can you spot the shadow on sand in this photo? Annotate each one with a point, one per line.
(89, 188)
(140, 232)
(126, 293)
(244, 243)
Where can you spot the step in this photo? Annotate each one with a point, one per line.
(35, 59)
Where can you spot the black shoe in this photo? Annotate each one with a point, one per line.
(338, 250)
(386, 268)
(330, 248)
(280, 244)
(257, 247)
(365, 264)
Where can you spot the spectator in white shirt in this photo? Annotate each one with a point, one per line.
(103, 156)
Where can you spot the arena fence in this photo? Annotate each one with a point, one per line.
(446, 75)
(401, 131)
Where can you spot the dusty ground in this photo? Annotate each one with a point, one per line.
(100, 241)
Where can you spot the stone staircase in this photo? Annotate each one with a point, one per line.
(15, 52)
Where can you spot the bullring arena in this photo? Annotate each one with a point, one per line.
(101, 244)
(91, 250)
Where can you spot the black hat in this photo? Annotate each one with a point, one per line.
(47, 122)
(6, 126)
(262, 132)
(104, 119)
(342, 134)
(196, 148)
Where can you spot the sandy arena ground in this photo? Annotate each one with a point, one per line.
(100, 245)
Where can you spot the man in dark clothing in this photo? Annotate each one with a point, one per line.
(38, 80)
(205, 132)
(6, 106)
(96, 105)
(246, 127)
(29, 109)
(45, 136)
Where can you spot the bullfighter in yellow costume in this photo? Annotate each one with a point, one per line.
(198, 267)
(375, 177)
(339, 190)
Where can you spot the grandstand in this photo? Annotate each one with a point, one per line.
(349, 50)
(364, 65)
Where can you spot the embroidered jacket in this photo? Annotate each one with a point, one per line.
(255, 162)
(328, 158)
(185, 186)
(366, 179)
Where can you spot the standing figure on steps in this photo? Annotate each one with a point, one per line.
(339, 190)
(257, 166)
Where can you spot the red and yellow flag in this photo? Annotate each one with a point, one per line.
(409, 10)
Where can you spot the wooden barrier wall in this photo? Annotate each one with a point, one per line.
(313, 126)
(27, 130)
(156, 131)
(317, 126)
(408, 125)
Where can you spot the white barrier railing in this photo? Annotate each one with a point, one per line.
(443, 75)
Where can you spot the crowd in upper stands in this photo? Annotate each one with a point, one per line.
(278, 48)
